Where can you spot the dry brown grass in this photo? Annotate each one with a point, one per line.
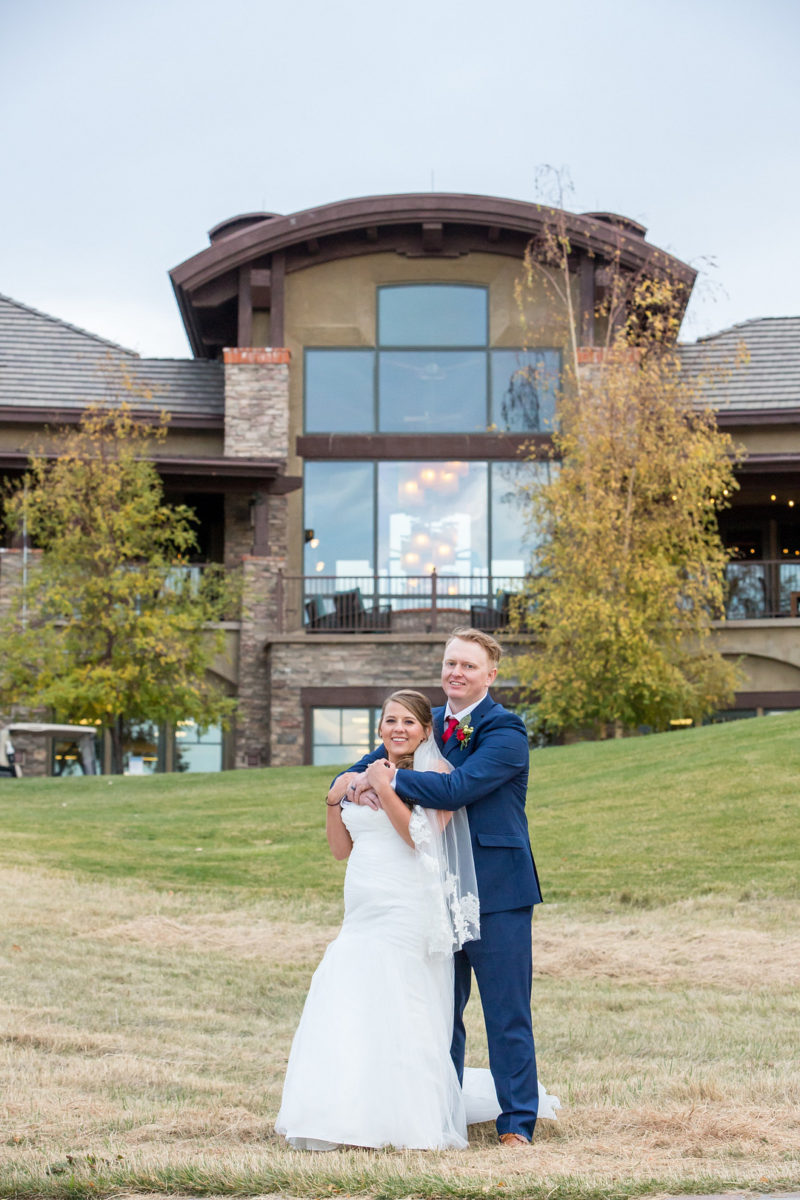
(144, 1037)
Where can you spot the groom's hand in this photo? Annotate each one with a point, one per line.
(362, 792)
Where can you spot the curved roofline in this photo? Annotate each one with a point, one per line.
(258, 236)
(344, 216)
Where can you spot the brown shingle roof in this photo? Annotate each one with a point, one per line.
(47, 363)
(751, 366)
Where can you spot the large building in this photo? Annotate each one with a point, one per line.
(362, 402)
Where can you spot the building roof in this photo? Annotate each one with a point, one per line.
(752, 367)
(249, 256)
(48, 364)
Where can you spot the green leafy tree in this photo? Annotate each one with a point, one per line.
(108, 626)
(630, 568)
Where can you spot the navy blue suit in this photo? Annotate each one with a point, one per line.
(490, 779)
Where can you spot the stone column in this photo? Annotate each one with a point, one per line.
(261, 601)
(256, 426)
(256, 403)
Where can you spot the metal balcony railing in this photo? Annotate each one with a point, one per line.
(394, 603)
(436, 603)
(763, 588)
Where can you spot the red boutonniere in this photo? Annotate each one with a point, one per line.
(463, 732)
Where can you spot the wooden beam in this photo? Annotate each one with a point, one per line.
(244, 335)
(278, 289)
(409, 447)
(587, 301)
(211, 295)
(260, 514)
(261, 287)
(432, 236)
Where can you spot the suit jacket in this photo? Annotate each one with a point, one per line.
(490, 779)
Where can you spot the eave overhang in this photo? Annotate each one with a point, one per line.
(209, 474)
(423, 225)
(39, 415)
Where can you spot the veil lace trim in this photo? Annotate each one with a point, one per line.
(447, 870)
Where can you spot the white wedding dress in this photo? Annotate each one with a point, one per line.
(370, 1063)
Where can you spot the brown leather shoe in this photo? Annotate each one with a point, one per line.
(513, 1140)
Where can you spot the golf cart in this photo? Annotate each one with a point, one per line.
(82, 735)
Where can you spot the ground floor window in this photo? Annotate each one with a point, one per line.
(196, 750)
(142, 748)
(147, 748)
(342, 735)
(742, 714)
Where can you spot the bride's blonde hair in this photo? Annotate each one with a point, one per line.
(420, 708)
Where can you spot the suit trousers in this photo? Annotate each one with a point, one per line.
(502, 962)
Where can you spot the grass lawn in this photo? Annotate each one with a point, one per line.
(158, 935)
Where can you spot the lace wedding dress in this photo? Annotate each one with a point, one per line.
(370, 1063)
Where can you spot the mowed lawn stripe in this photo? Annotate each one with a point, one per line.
(637, 821)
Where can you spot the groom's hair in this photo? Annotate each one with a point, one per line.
(492, 648)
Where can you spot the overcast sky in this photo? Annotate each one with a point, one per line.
(131, 127)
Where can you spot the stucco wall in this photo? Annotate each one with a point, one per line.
(769, 652)
(191, 443)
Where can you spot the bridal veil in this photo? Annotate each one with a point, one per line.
(447, 870)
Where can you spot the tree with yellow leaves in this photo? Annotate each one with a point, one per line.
(629, 565)
(107, 627)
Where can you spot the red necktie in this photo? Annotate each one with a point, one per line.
(449, 727)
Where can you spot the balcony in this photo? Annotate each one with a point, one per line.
(390, 604)
(382, 604)
(765, 588)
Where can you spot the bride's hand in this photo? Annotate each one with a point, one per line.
(340, 788)
(379, 774)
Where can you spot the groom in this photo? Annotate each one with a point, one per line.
(488, 747)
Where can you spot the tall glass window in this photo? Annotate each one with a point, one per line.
(513, 534)
(433, 315)
(431, 372)
(524, 385)
(339, 518)
(405, 518)
(432, 515)
(431, 391)
(340, 390)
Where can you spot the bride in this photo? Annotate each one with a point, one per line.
(370, 1063)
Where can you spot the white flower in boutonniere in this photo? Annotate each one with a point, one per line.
(463, 733)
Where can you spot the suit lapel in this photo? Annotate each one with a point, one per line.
(447, 747)
(452, 749)
(485, 706)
